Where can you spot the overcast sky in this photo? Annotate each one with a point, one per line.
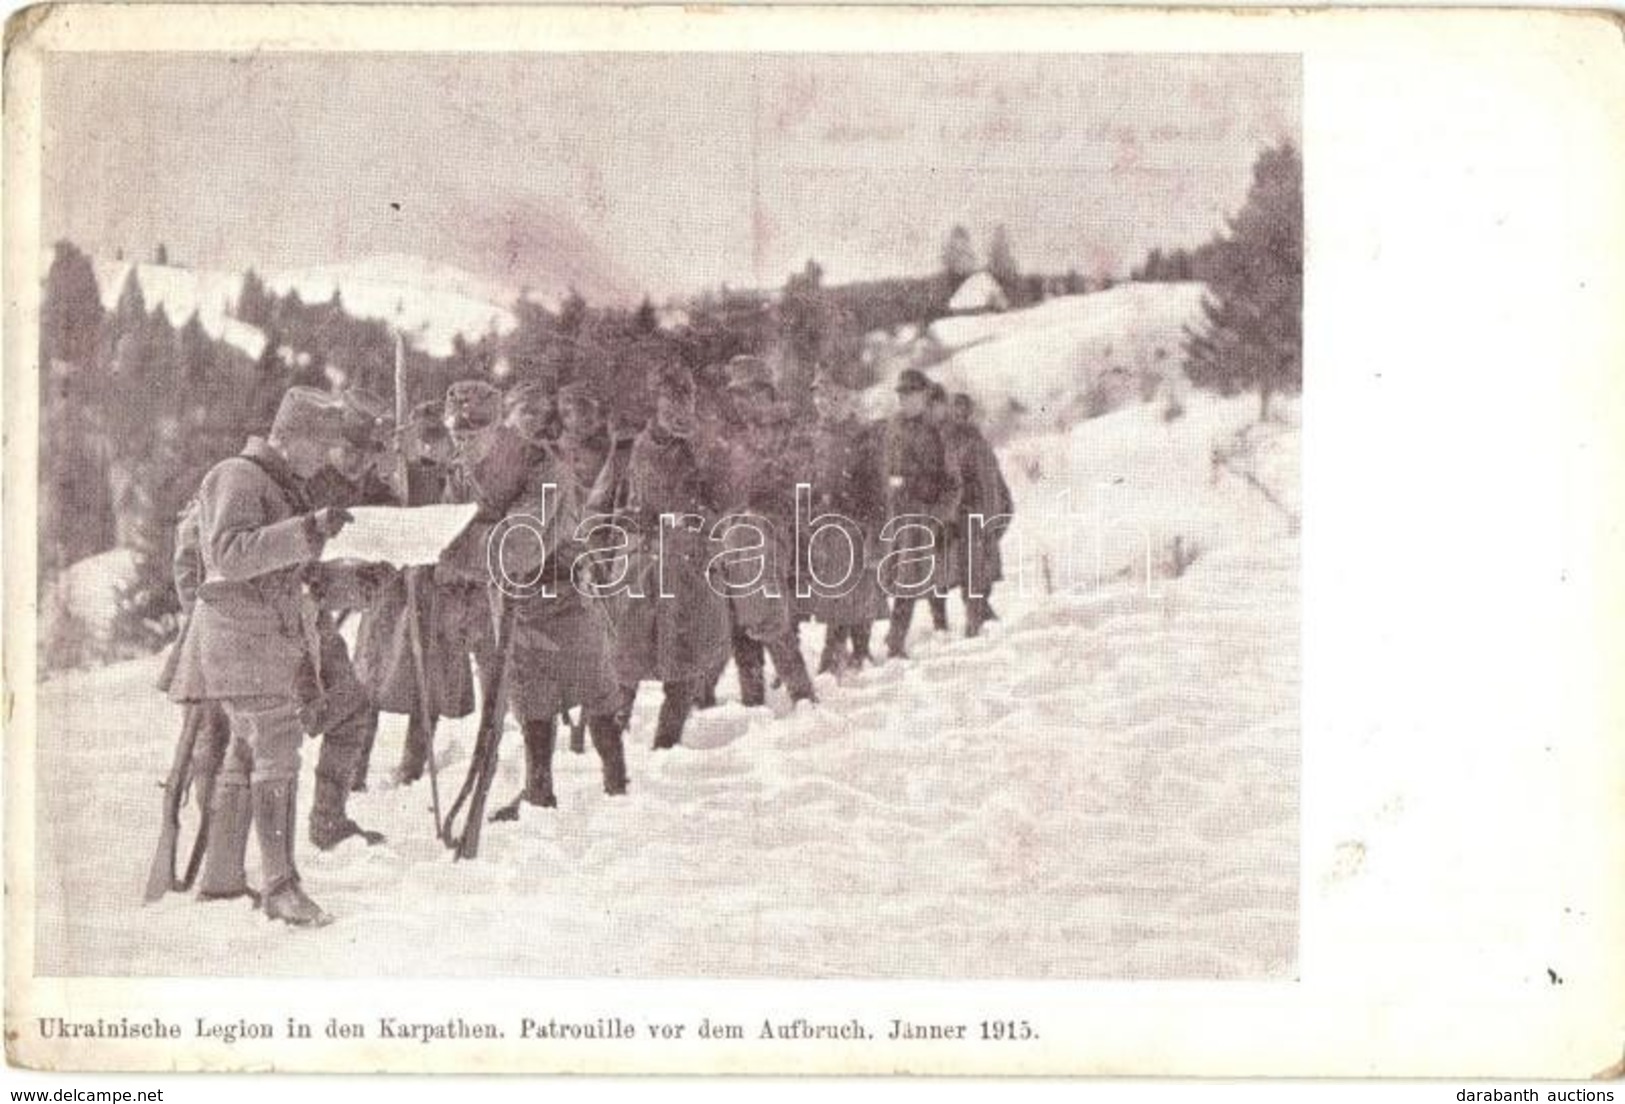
(659, 173)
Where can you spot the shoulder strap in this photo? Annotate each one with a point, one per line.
(294, 494)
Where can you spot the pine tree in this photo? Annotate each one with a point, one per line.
(646, 321)
(254, 302)
(196, 351)
(572, 313)
(1001, 263)
(1252, 333)
(71, 309)
(132, 302)
(959, 255)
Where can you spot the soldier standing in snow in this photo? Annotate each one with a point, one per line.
(848, 481)
(348, 720)
(986, 494)
(561, 652)
(206, 717)
(490, 466)
(383, 654)
(767, 456)
(675, 622)
(923, 500)
(255, 641)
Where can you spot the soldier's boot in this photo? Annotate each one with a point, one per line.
(230, 817)
(833, 658)
(274, 820)
(675, 704)
(414, 753)
(792, 668)
(975, 614)
(939, 612)
(330, 824)
(860, 645)
(606, 741)
(752, 677)
(902, 612)
(363, 760)
(538, 791)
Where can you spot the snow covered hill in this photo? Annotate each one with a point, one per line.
(1103, 785)
(1048, 366)
(180, 292)
(433, 303)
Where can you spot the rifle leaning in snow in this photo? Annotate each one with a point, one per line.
(161, 876)
(420, 669)
(482, 768)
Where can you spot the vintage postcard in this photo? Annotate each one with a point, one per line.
(851, 540)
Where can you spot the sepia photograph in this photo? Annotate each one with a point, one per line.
(558, 535)
(1050, 307)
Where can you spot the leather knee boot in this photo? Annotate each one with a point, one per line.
(674, 708)
(833, 657)
(860, 644)
(230, 817)
(606, 741)
(792, 668)
(414, 753)
(540, 737)
(284, 898)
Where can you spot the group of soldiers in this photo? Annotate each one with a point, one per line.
(668, 592)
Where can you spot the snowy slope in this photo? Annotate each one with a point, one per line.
(181, 291)
(1033, 368)
(87, 592)
(1103, 785)
(432, 303)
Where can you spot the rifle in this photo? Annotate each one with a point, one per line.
(482, 768)
(426, 717)
(161, 875)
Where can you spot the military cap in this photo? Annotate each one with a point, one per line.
(427, 419)
(672, 380)
(310, 414)
(912, 379)
(825, 383)
(472, 404)
(526, 392)
(367, 420)
(745, 372)
(578, 396)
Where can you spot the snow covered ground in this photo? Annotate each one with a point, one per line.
(1104, 785)
(1033, 369)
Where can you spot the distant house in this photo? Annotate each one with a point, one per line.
(980, 292)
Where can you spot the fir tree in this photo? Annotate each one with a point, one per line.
(196, 351)
(254, 302)
(646, 321)
(959, 255)
(71, 310)
(1252, 333)
(132, 302)
(1001, 263)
